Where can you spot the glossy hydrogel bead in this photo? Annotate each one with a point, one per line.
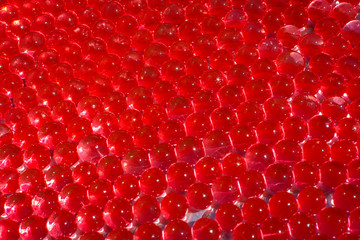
(179, 120)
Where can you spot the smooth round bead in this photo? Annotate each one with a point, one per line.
(205, 228)
(99, 192)
(120, 233)
(31, 181)
(332, 174)
(45, 202)
(332, 221)
(33, 227)
(302, 225)
(92, 148)
(252, 183)
(282, 205)
(247, 230)
(148, 231)
(9, 180)
(174, 206)
(228, 216)
(146, 209)
(127, 186)
(305, 174)
(346, 197)
(311, 200)
(177, 230)
(89, 218)
(316, 151)
(85, 173)
(73, 197)
(153, 182)
(18, 206)
(117, 213)
(199, 196)
(255, 210)
(259, 157)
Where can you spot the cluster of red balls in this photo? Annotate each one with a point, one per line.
(179, 119)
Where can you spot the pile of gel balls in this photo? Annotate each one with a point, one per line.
(179, 119)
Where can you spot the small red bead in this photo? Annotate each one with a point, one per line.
(130, 120)
(11, 156)
(311, 200)
(259, 157)
(66, 153)
(332, 221)
(146, 209)
(206, 228)
(9, 229)
(332, 174)
(148, 231)
(52, 133)
(247, 230)
(307, 81)
(117, 213)
(250, 113)
(18, 206)
(89, 218)
(269, 132)
(207, 169)
(179, 107)
(127, 186)
(45, 202)
(199, 196)
(305, 174)
(104, 124)
(233, 165)
(25, 136)
(58, 176)
(346, 197)
(217, 144)
(282, 205)
(316, 151)
(148, 76)
(31, 181)
(9, 180)
(177, 230)
(99, 192)
(92, 148)
(120, 233)
(33, 227)
(162, 156)
(173, 206)
(109, 167)
(225, 190)
(120, 142)
(78, 128)
(228, 216)
(257, 90)
(189, 150)
(73, 197)
(343, 151)
(305, 106)
(136, 161)
(153, 182)
(278, 177)
(37, 156)
(180, 176)
(302, 225)
(252, 183)
(275, 228)
(40, 115)
(255, 210)
(85, 173)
